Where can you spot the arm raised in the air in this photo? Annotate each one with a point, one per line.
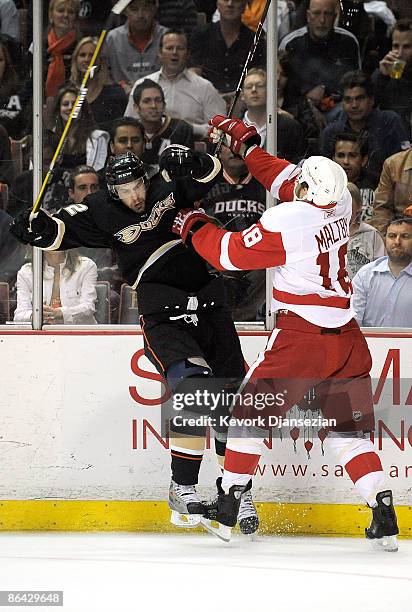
(276, 175)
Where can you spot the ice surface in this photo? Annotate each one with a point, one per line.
(197, 573)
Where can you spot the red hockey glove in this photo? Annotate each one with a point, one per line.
(239, 136)
(185, 221)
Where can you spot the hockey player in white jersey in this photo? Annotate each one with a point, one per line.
(317, 342)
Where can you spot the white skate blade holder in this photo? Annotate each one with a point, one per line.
(189, 521)
(386, 544)
(217, 529)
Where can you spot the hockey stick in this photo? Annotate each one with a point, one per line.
(249, 58)
(117, 9)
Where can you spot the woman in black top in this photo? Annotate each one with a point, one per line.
(15, 106)
(84, 143)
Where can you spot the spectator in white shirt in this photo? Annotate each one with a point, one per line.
(188, 96)
(382, 290)
(291, 143)
(69, 289)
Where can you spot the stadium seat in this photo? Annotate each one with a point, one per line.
(102, 314)
(201, 18)
(4, 303)
(128, 311)
(20, 153)
(4, 196)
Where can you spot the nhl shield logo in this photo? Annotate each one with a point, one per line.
(357, 415)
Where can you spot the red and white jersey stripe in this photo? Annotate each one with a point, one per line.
(305, 244)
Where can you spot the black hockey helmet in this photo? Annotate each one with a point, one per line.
(124, 168)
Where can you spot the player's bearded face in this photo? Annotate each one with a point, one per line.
(133, 195)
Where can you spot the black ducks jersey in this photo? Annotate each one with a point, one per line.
(145, 247)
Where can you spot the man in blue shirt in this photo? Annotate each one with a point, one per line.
(382, 290)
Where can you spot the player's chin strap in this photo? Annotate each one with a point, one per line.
(192, 304)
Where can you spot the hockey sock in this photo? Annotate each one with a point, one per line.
(241, 458)
(185, 469)
(220, 448)
(362, 465)
(186, 464)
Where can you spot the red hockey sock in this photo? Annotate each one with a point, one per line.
(363, 464)
(239, 468)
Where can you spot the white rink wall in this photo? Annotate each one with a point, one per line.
(79, 419)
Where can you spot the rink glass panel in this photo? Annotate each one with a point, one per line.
(123, 308)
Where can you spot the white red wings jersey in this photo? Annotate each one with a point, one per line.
(305, 244)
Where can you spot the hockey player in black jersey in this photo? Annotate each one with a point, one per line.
(188, 332)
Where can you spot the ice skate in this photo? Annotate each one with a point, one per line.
(248, 518)
(384, 528)
(227, 511)
(185, 504)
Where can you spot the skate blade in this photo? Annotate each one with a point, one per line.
(387, 543)
(221, 531)
(189, 521)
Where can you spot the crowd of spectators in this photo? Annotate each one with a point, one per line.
(344, 90)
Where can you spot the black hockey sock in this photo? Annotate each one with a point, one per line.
(185, 467)
(220, 448)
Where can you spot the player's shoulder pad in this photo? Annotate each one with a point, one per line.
(96, 200)
(344, 206)
(285, 216)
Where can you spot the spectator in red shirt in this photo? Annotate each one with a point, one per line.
(61, 40)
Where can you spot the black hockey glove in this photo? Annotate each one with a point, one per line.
(177, 161)
(42, 231)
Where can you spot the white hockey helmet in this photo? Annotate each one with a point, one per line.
(325, 179)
